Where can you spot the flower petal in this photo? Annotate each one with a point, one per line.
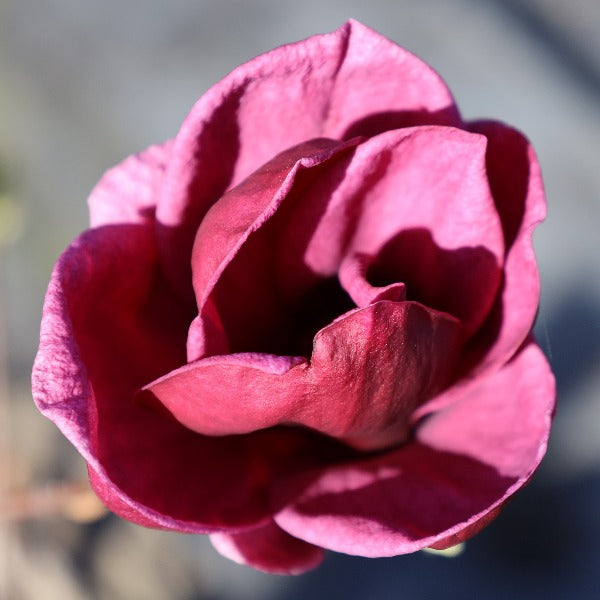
(353, 278)
(516, 183)
(247, 207)
(107, 329)
(465, 462)
(419, 202)
(128, 193)
(269, 549)
(504, 418)
(368, 372)
(349, 82)
(243, 249)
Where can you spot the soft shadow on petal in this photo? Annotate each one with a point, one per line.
(319, 87)
(110, 325)
(464, 463)
(249, 206)
(269, 548)
(248, 273)
(393, 504)
(416, 200)
(503, 419)
(516, 183)
(430, 180)
(353, 278)
(381, 86)
(462, 282)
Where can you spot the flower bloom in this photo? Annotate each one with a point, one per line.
(305, 322)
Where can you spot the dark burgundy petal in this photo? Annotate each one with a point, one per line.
(441, 487)
(248, 273)
(247, 207)
(416, 200)
(110, 325)
(270, 549)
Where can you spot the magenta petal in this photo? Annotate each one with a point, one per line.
(268, 548)
(418, 201)
(368, 372)
(516, 183)
(250, 246)
(353, 278)
(504, 418)
(346, 83)
(107, 329)
(247, 207)
(374, 366)
(465, 462)
(233, 394)
(128, 193)
(380, 86)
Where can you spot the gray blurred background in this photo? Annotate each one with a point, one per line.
(84, 83)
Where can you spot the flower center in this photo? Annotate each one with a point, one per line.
(323, 303)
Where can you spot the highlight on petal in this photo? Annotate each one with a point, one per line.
(128, 193)
(418, 201)
(247, 207)
(268, 548)
(369, 370)
(426, 225)
(342, 84)
(355, 371)
(440, 488)
(504, 419)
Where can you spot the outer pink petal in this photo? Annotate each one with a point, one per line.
(465, 462)
(128, 193)
(269, 548)
(108, 328)
(516, 184)
(368, 372)
(345, 83)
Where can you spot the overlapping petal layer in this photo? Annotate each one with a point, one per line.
(111, 325)
(413, 204)
(346, 83)
(417, 200)
(269, 548)
(518, 191)
(368, 372)
(465, 461)
(354, 371)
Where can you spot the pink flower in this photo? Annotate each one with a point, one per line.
(305, 323)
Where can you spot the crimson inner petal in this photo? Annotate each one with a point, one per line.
(254, 317)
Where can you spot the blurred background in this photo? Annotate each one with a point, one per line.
(83, 84)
